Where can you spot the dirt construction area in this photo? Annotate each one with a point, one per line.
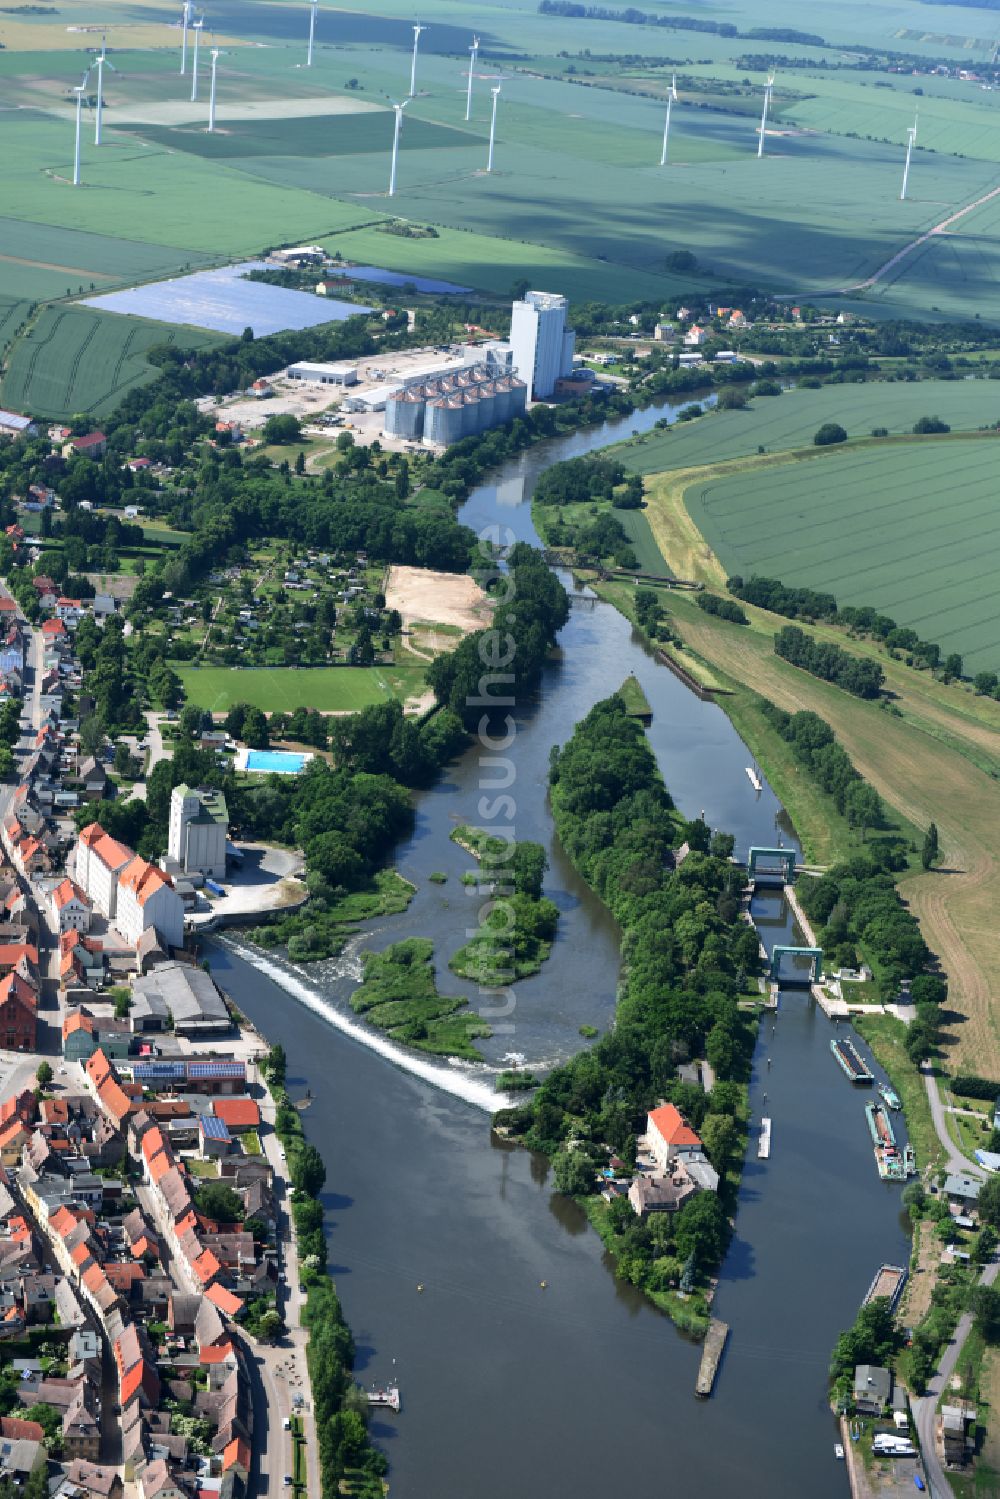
(425, 597)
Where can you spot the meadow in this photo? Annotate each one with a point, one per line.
(75, 360)
(869, 525)
(776, 424)
(337, 689)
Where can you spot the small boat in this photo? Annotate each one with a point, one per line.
(889, 1281)
(910, 1160)
(754, 778)
(838, 1452)
(388, 1397)
(764, 1140)
(890, 1096)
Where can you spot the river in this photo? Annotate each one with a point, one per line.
(579, 1387)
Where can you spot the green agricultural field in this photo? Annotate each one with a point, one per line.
(42, 261)
(76, 359)
(12, 315)
(777, 423)
(336, 689)
(307, 137)
(911, 528)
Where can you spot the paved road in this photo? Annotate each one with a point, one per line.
(957, 1162)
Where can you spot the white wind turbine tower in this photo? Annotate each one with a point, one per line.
(395, 145)
(495, 91)
(763, 118)
(185, 23)
(666, 124)
(312, 31)
(413, 65)
(473, 54)
(102, 62)
(78, 91)
(911, 136)
(196, 27)
(211, 94)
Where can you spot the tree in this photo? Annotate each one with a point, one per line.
(701, 1230)
(219, 1202)
(718, 1133)
(300, 462)
(929, 852)
(271, 1326)
(308, 1171)
(829, 433)
(574, 1173)
(281, 428)
(44, 1074)
(930, 424)
(123, 758)
(988, 1203)
(254, 726)
(985, 1306)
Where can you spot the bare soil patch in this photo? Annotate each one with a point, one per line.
(427, 597)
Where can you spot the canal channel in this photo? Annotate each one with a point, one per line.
(577, 1386)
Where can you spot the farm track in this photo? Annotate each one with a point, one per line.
(915, 244)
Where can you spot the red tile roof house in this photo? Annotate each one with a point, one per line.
(18, 1019)
(93, 445)
(668, 1135)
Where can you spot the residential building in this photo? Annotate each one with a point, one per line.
(18, 1014)
(199, 826)
(93, 445)
(542, 344)
(147, 898)
(872, 1388)
(668, 1135)
(71, 910)
(100, 860)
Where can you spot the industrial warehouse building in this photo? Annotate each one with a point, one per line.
(463, 404)
(323, 374)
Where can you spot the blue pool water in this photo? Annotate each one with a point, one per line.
(225, 301)
(283, 762)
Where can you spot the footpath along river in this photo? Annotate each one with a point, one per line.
(579, 1388)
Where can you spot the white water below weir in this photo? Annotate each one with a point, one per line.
(454, 1080)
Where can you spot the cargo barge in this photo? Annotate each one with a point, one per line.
(891, 1165)
(889, 1282)
(851, 1061)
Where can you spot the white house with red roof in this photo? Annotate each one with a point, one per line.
(100, 859)
(147, 898)
(695, 336)
(668, 1135)
(71, 909)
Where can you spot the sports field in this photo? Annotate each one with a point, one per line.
(76, 360)
(912, 528)
(778, 423)
(338, 689)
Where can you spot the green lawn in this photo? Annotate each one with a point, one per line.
(871, 525)
(335, 689)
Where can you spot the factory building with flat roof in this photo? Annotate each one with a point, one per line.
(323, 374)
(452, 406)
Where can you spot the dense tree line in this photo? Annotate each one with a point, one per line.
(824, 659)
(815, 746)
(724, 608)
(806, 603)
(632, 17)
(598, 539)
(856, 904)
(592, 478)
(686, 957)
(492, 668)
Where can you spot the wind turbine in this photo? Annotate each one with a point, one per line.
(78, 91)
(413, 65)
(474, 53)
(211, 94)
(196, 27)
(763, 118)
(911, 136)
(495, 91)
(99, 65)
(666, 124)
(185, 22)
(312, 31)
(395, 145)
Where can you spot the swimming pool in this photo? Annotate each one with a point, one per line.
(277, 762)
